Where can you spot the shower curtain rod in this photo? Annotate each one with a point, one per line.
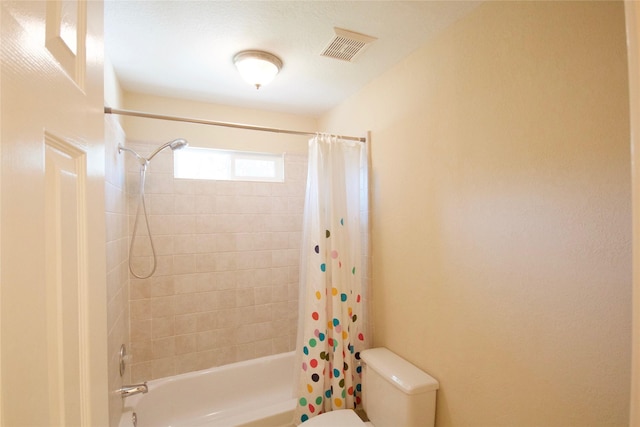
(109, 110)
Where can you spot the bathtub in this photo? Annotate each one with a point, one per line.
(253, 393)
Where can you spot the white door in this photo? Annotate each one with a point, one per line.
(52, 271)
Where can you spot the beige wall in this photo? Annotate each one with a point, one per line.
(139, 129)
(501, 213)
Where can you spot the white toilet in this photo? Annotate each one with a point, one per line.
(394, 393)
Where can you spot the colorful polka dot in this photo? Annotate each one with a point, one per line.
(332, 372)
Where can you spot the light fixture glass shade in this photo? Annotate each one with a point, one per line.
(257, 67)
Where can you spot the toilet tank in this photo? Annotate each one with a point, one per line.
(395, 392)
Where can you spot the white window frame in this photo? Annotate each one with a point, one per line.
(191, 163)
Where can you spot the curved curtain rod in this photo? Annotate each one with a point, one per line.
(109, 110)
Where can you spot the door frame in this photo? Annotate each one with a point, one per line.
(632, 18)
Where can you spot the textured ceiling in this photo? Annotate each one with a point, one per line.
(184, 49)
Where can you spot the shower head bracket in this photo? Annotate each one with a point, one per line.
(143, 162)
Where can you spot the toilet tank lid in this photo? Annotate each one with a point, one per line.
(399, 372)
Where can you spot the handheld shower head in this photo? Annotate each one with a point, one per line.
(176, 144)
(179, 143)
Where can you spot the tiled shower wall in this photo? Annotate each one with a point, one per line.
(226, 283)
(116, 250)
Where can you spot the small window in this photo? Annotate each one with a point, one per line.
(227, 165)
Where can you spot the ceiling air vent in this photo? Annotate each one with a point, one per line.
(346, 45)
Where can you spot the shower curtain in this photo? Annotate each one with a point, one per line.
(331, 331)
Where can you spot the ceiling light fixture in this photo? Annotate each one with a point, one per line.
(257, 67)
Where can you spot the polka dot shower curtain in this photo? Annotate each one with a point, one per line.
(331, 331)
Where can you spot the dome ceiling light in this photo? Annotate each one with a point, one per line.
(257, 67)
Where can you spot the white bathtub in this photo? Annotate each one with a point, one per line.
(254, 393)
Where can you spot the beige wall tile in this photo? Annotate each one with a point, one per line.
(163, 347)
(184, 264)
(162, 306)
(140, 309)
(162, 286)
(162, 327)
(187, 303)
(140, 330)
(207, 321)
(161, 368)
(161, 204)
(141, 351)
(185, 323)
(141, 372)
(185, 344)
(187, 362)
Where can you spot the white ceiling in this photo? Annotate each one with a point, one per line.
(184, 49)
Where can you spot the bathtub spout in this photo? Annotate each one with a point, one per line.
(130, 390)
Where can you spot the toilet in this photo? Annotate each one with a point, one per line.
(394, 393)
